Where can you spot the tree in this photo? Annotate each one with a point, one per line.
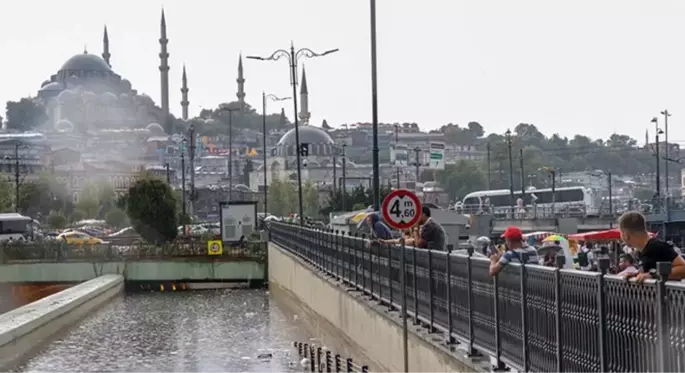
(116, 218)
(461, 178)
(310, 199)
(151, 207)
(57, 220)
(25, 114)
(6, 196)
(282, 197)
(89, 203)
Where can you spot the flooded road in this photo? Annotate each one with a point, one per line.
(196, 331)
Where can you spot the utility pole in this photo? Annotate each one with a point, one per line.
(511, 170)
(191, 135)
(397, 165)
(523, 177)
(658, 163)
(168, 173)
(487, 147)
(265, 168)
(335, 168)
(374, 112)
(417, 150)
(666, 114)
(343, 187)
(183, 182)
(611, 203)
(16, 177)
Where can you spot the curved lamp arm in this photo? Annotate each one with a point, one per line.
(308, 53)
(277, 55)
(273, 97)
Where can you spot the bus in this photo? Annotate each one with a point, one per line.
(16, 227)
(575, 200)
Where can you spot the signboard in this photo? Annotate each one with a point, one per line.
(401, 209)
(437, 156)
(237, 219)
(398, 155)
(215, 247)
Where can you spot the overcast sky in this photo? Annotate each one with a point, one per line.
(583, 66)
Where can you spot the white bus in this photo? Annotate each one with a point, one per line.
(16, 227)
(574, 200)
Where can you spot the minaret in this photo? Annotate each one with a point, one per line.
(184, 94)
(164, 75)
(282, 119)
(241, 83)
(646, 138)
(105, 47)
(304, 100)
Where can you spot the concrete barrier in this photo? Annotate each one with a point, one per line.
(373, 328)
(25, 329)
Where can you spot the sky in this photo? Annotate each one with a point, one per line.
(566, 66)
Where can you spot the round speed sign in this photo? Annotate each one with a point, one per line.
(401, 209)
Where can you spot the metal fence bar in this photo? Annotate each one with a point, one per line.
(530, 317)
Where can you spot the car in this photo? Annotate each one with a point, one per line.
(79, 238)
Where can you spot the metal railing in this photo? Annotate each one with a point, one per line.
(528, 212)
(54, 251)
(529, 317)
(319, 359)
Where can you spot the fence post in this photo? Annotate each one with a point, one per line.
(431, 314)
(348, 365)
(390, 286)
(602, 310)
(448, 279)
(371, 245)
(337, 363)
(524, 311)
(363, 260)
(336, 255)
(319, 353)
(356, 261)
(560, 261)
(499, 365)
(663, 269)
(470, 351)
(365, 368)
(415, 289)
(328, 361)
(312, 360)
(403, 285)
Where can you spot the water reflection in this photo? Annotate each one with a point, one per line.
(204, 331)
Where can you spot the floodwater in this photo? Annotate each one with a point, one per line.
(195, 331)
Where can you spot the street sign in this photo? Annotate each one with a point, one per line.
(437, 156)
(215, 247)
(401, 209)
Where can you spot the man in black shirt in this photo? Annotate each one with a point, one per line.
(634, 233)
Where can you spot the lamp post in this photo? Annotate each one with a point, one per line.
(658, 159)
(553, 175)
(191, 158)
(344, 180)
(397, 164)
(184, 142)
(264, 168)
(17, 174)
(611, 202)
(374, 112)
(511, 170)
(293, 56)
(168, 173)
(666, 114)
(417, 150)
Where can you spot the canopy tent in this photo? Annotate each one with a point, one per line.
(607, 235)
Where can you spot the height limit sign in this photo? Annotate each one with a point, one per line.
(401, 209)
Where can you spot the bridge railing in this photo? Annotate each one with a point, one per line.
(528, 212)
(529, 317)
(53, 251)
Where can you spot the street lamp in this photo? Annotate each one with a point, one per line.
(344, 179)
(666, 114)
(511, 170)
(658, 160)
(17, 173)
(374, 114)
(184, 143)
(293, 56)
(553, 175)
(264, 168)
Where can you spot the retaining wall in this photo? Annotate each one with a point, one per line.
(27, 328)
(372, 327)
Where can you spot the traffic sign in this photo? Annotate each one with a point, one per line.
(401, 209)
(215, 247)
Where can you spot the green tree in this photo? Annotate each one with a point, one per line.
(25, 114)
(461, 178)
(116, 218)
(89, 203)
(57, 220)
(7, 192)
(151, 207)
(282, 197)
(310, 199)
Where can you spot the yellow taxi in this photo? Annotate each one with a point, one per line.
(79, 238)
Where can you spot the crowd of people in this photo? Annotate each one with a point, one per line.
(637, 258)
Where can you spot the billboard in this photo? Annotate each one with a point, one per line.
(237, 219)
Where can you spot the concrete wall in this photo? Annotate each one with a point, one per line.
(151, 270)
(25, 329)
(375, 330)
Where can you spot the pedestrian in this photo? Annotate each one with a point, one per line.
(515, 249)
(626, 265)
(378, 229)
(430, 235)
(634, 233)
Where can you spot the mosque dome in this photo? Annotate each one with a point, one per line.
(85, 62)
(52, 87)
(45, 83)
(309, 135)
(155, 128)
(66, 96)
(109, 98)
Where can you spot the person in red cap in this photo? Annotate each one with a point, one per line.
(516, 248)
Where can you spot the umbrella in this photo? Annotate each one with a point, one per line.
(554, 237)
(360, 217)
